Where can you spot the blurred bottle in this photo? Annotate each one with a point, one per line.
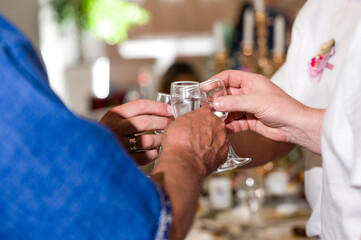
(220, 192)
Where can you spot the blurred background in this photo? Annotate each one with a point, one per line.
(102, 53)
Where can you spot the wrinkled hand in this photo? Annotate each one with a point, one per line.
(129, 120)
(269, 110)
(199, 134)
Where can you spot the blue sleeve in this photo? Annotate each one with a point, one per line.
(62, 177)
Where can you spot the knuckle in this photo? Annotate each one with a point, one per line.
(222, 125)
(111, 112)
(135, 123)
(168, 121)
(147, 141)
(146, 121)
(207, 111)
(142, 104)
(151, 155)
(141, 123)
(144, 141)
(164, 122)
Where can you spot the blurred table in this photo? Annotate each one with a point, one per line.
(273, 221)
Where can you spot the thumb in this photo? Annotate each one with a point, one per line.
(235, 103)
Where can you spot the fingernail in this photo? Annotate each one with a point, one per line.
(218, 104)
(170, 109)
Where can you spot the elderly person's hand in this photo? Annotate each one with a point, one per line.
(200, 134)
(269, 110)
(194, 145)
(134, 122)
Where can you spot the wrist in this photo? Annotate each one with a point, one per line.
(307, 129)
(180, 174)
(183, 160)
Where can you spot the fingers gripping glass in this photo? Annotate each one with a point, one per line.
(211, 90)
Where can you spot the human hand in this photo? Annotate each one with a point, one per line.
(129, 120)
(193, 146)
(269, 110)
(199, 134)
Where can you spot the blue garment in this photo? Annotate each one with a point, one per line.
(62, 177)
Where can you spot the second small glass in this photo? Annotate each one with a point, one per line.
(165, 98)
(185, 97)
(211, 90)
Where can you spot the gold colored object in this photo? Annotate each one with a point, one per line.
(222, 61)
(326, 47)
(259, 61)
(133, 144)
(247, 58)
(265, 65)
(278, 60)
(247, 50)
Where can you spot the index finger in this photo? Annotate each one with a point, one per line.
(235, 78)
(238, 103)
(143, 107)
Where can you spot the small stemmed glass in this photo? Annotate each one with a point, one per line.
(187, 96)
(210, 91)
(165, 98)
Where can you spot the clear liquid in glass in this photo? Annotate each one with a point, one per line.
(184, 105)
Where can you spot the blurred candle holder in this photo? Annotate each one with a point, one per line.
(259, 59)
(264, 64)
(279, 41)
(222, 61)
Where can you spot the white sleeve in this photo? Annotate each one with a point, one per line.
(279, 77)
(352, 88)
(356, 170)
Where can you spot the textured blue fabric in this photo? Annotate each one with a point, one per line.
(62, 177)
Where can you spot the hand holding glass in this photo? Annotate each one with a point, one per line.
(211, 90)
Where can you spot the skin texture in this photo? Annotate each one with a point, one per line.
(270, 111)
(139, 117)
(193, 146)
(192, 149)
(249, 143)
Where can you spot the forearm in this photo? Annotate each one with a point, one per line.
(182, 179)
(260, 149)
(306, 129)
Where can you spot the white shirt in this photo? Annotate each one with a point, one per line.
(317, 22)
(341, 151)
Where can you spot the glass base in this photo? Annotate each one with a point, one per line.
(233, 163)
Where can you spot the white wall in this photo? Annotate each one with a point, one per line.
(24, 13)
(70, 79)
